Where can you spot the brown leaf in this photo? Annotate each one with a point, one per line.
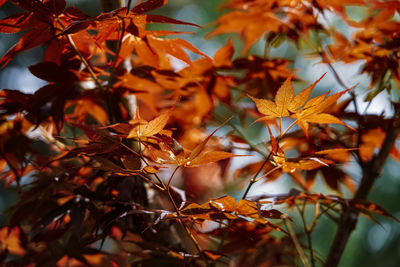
(225, 203)
(152, 127)
(209, 157)
(131, 162)
(247, 208)
(151, 169)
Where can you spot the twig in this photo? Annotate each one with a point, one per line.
(254, 179)
(307, 232)
(316, 218)
(194, 241)
(85, 62)
(296, 243)
(239, 132)
(166, 188)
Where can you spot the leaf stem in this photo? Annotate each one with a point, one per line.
(172, 175)
(268, 173)
(288, 128)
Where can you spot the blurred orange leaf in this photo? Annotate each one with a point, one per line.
(153, 127)
(10, 240)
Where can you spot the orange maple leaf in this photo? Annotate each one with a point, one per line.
(312, 112)
(252, 25)
(285, 101)
(147, 129)
(290, 165)
(10, 241)
(297, 107)
(173, 153)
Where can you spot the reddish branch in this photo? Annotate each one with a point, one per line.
(371, 171)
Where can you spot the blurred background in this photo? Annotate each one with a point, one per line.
(371, 244)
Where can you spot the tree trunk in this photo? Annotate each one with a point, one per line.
(371, 171)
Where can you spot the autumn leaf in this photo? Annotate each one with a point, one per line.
(252, 25)
(212, 255)
(274, 144)
(223, 56)
(173, 153)
(226, 207)
(312, 112)
(10, 240)
(151, 128)
(298, 107)
(151, 169)
(290, 165)
(285, 101)
(148, 6)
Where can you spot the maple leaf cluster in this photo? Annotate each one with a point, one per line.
(120, 146)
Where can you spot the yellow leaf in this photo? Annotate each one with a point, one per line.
(283, 98)
(151, 128)
(312, 111)
(285, 101)
(151, 169)
(322, 118)
(301, 98)
(247, 208)
(266, 107)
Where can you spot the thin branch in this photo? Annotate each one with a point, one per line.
(85, 62)
(109, 5)
(254, 179)
(307, 232)
(239, 132)
(166, 188)
(296, 243)
(268, 173)
(316, 218)
(192, 238)
(172, 176)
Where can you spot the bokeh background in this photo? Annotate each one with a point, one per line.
(371, 244)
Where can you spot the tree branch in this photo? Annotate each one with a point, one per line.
(109, 5)
(371, 171)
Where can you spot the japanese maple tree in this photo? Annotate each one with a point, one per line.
(125, 159)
